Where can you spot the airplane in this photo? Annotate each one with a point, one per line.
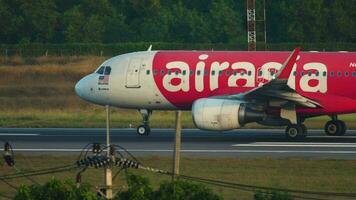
(226, 90)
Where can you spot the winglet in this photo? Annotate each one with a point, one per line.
(287, 66)
(149, 48)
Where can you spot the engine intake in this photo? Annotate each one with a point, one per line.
(223, 114)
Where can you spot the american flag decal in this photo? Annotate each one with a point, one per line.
(103, 80)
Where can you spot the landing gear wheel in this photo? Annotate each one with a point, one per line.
(143, 130)
(344, 128)
(296, 132)
(335, 128)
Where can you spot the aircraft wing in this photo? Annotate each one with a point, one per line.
(278, 88)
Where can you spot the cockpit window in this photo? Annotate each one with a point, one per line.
(100, 70)
(107, 70)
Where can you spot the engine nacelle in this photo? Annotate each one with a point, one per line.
(223, 114)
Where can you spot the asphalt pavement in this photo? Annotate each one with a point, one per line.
(238, 143)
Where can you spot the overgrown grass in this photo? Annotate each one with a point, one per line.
(300, 174)
(121, 118)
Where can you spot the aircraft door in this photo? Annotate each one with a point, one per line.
(133, 73)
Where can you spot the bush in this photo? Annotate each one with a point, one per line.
(54, 190)
(272, 195)
(140, 189)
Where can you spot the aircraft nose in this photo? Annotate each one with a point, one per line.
(78, 88)
(82, 88)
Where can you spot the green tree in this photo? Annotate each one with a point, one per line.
(55, 189)
(10, 22)
(225, 23)
(185, 190)
(40, 19)
(187, 25)
(73, 23)
(140, 189)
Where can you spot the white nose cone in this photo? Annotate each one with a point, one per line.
(82, 88)
(79, 88)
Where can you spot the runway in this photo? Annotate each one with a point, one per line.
(248, 143)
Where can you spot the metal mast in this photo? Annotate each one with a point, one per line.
(251, 25)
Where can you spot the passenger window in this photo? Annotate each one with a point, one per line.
(198, 72)
(295, 73)
(339, 74)
(309, 73)
(107, 70)
(354, 74)
(235, 73)
(177, 72)
(191, 72)
(162, 72)
(169, 72)
(206, 72)
(347, 74)
(302, 73)
(227, 73)
(213, 72)
(317, 73)
(148, 72)
(249, 73)
(100, 70)
(154, 72)
(220, 73)
(260, 73)
(331, 74)
(184, 72)
(324, 73)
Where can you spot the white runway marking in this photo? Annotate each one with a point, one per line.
(19, 134)
(201, 151)
(297, 144)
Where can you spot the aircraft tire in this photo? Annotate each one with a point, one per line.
(335, 128)
(143, 130)
(296, 132)
(343, 128)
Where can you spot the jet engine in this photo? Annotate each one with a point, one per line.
(223, 114)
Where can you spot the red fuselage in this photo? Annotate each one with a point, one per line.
(326, 77)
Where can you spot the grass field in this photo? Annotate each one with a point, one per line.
(298, 174)
(39, 92)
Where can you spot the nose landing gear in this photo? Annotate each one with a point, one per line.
(144, 129)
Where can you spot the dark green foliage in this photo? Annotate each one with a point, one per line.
(100, 49)
(140, 189)
(183, 21)
(184, 190)
(54, 190)
(273, 195)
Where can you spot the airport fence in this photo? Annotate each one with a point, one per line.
(99, 49)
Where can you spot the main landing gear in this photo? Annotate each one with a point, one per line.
(296, 131)
(144, 128)
(335, 127)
